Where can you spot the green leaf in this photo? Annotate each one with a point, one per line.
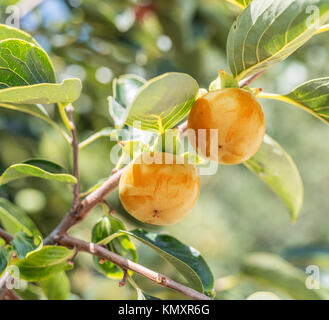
(7, 32)
(23, 244)
(23, 63)
(4, 252)
(133, 147)
(121, 245)
(312, 96)
(42, 264)
(276, 168)
(44, 93)
(163, 102)
(15, 219)
(267, 32)
(275, 272)
(224, 80)
(36, 111)
(117, 112)
(125, 89)
(242, 4)
(57, 287)
(187, 260)
(141, 295)
(36, 168)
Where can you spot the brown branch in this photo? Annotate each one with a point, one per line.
(75, 147)
(93, 199)
(126, 264)
(7, 294)
(6, 236)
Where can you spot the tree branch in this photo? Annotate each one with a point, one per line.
(6, 236)
(126, 264)
(7, 294)
(93, 199)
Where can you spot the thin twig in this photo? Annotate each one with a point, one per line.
(122, 283)
(7, 294)
(75, 147)
(109, 206)
(126, 264)
(5, 236)
(249, 80)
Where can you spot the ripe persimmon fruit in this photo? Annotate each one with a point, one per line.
(238, 119)
(159, 188)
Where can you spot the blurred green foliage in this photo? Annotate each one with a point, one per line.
(97, 40)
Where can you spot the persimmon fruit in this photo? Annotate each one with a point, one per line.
(239, 120)
(159, 188)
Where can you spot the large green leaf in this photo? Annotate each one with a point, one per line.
(276, 168)
(275, 272)
(312, 96)
(42, 264)
(44, 93)
(163, 102)
(187, 260)
(57, 287)
(23, 63)
(15, 219)
(121, 245)
(267, 32)
(36, 168)
(242, 4)
(36, 111)
(23, 244)
(125, 89)
(141, 295)
(7, 32)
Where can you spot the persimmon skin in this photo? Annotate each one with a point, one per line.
(240, 122)
(159, 193)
